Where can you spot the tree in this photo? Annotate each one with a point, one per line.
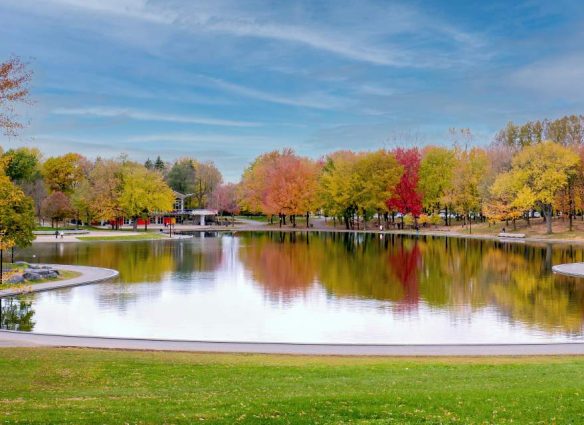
(143, 192)
(436, 178)
(225, 199)
(471, 168)
(207, 178)
(105, 186)
(149, 164)
(17, 219)
(181, 176)
(57, 207)
(21, 164)
(353, 183)
(406, 197)
(14, 80)
(62, 173)
(542, 170)
(159, 164)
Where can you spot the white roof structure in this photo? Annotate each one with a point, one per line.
(203, 212)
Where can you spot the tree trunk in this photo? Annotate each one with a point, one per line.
(547, 210)
(446, 215)
(307, 218)
(1, 265)
(135, 223)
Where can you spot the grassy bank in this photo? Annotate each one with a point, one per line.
(141, 237)
(63, 275)
(92, 386)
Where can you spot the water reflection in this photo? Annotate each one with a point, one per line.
(337, 287)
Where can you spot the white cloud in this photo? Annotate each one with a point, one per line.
(559, 77)
(151, 116)
(364, 40)
(312, 100)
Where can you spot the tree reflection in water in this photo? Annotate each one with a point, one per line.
(458, 275)
(16, 314)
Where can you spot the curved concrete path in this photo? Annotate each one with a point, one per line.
(572, 269)
(14, 338)
(87, 276)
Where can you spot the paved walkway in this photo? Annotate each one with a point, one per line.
(88, 275)
(573, 269)
(30, 339)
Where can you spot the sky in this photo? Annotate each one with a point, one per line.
(225, 80)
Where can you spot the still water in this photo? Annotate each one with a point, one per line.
(327, 288)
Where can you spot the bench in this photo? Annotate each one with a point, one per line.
(511, 235)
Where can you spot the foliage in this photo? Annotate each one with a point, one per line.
(436, 177)
(21, 164)
(225, 198)
(280, 183)
(14, 80)
(57, 207)
(539, 172)
(63, 173)
(17, 219)
(406, 198)
(143, 192)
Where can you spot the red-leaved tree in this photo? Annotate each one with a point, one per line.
(406, 197)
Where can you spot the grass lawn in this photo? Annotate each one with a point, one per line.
(142, 237)
(52, 385)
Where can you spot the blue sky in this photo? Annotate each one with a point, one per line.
(226, 80)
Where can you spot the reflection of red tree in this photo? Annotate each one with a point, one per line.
(404, 264)
(285, 270)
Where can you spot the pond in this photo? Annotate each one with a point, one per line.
(312, 288)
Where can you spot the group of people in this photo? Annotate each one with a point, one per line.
(58, 233)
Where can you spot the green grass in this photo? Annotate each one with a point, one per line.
(142, 237)
(43, 385)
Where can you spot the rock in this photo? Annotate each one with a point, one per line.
(22, 263)
(32, 276)
(16, 278)
(51, 274)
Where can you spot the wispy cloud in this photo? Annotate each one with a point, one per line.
(357, 40)
(311, 100)
(107, 112)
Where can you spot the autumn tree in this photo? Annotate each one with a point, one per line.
(541, 171)
(358, 183)
(62, 173)
(14, 88)
(471, 167)
(406, 198)
(143, 192)
(105, 187)
(436, 179)
(57, 208)
(225, 199)
(17, 219)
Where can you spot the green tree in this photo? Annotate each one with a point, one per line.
(21, 165)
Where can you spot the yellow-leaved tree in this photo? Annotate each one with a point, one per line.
(143, 192)
(538, 173)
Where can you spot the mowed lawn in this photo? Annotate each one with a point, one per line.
(41, 385)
